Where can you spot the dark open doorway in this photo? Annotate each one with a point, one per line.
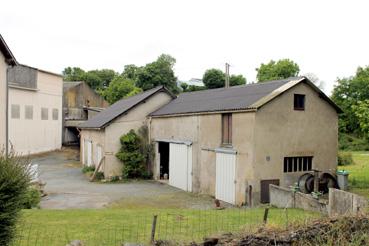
(164, 159)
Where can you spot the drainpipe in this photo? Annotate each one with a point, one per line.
(7, 115)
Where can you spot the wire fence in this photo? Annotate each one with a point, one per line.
(180, 226)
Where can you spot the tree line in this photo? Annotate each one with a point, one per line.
(351, 94)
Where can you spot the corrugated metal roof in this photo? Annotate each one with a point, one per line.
(119, 108)
(222, 99)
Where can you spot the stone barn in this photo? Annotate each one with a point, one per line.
(233, 142)
(100, 135)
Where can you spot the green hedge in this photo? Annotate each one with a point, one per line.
(344, 159)
(14, 187)
(351, 143)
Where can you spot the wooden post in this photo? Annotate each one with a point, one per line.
(96, 170)
(266, 212)
(153, 229)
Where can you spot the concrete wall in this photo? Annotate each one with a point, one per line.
(22, 76)
(134, 119)
(97, 137)
(343, 203)
(30, 136)
(3, 67)
(281, 131)
(285, 198)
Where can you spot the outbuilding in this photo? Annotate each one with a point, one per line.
(100, 135)
(80, 103)
(233, 142)
(35, 110)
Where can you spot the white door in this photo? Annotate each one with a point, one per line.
(98, 157)
(225, 183)
(89, 153)
(180, 166)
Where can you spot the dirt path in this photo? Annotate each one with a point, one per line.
(68, 188)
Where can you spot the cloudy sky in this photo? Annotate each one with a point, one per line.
(327, 38)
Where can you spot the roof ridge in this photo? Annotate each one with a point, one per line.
(245, 85)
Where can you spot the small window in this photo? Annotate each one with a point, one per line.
(44, 114)
(55, 114)
(28, 112)
(297, 164)
(15, 111)
(299, 102)
(227, 129)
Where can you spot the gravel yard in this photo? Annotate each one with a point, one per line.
(68, 188)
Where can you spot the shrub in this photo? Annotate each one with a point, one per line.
(87, 169)
(99, 176)
(344, 159)
(351, 143)
(131, 155)
(14, 185)
(32, 198)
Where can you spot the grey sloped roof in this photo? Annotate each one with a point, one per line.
(245, 97)
(103, 118)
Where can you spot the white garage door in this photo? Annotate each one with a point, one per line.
(180, 166)
(225, 187)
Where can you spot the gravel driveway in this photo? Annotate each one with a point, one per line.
(67, 188)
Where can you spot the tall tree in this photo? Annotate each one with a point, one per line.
(73, 74)
(120, 88)
(237, 80)
(361, 111)
(131, 72)
(105, 76)
(313, 78)
(348, 93)
(213, 78)
(159, 72)
(281, 69)
(96, 79)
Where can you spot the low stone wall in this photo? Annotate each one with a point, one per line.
(285, 198)
(343, 203)
(340, 202)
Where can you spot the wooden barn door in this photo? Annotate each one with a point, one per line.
(264, 189)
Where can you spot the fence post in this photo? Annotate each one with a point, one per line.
(153, 228)
(266, 212)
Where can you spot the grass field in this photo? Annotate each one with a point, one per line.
(359, 173)
(115, 226)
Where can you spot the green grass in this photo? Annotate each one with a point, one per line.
(115, 226)
(359, 173)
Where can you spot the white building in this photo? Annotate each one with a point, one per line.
(6, 59)
(30, 106)
(35, 110)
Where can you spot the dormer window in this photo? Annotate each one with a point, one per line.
(299, 102)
